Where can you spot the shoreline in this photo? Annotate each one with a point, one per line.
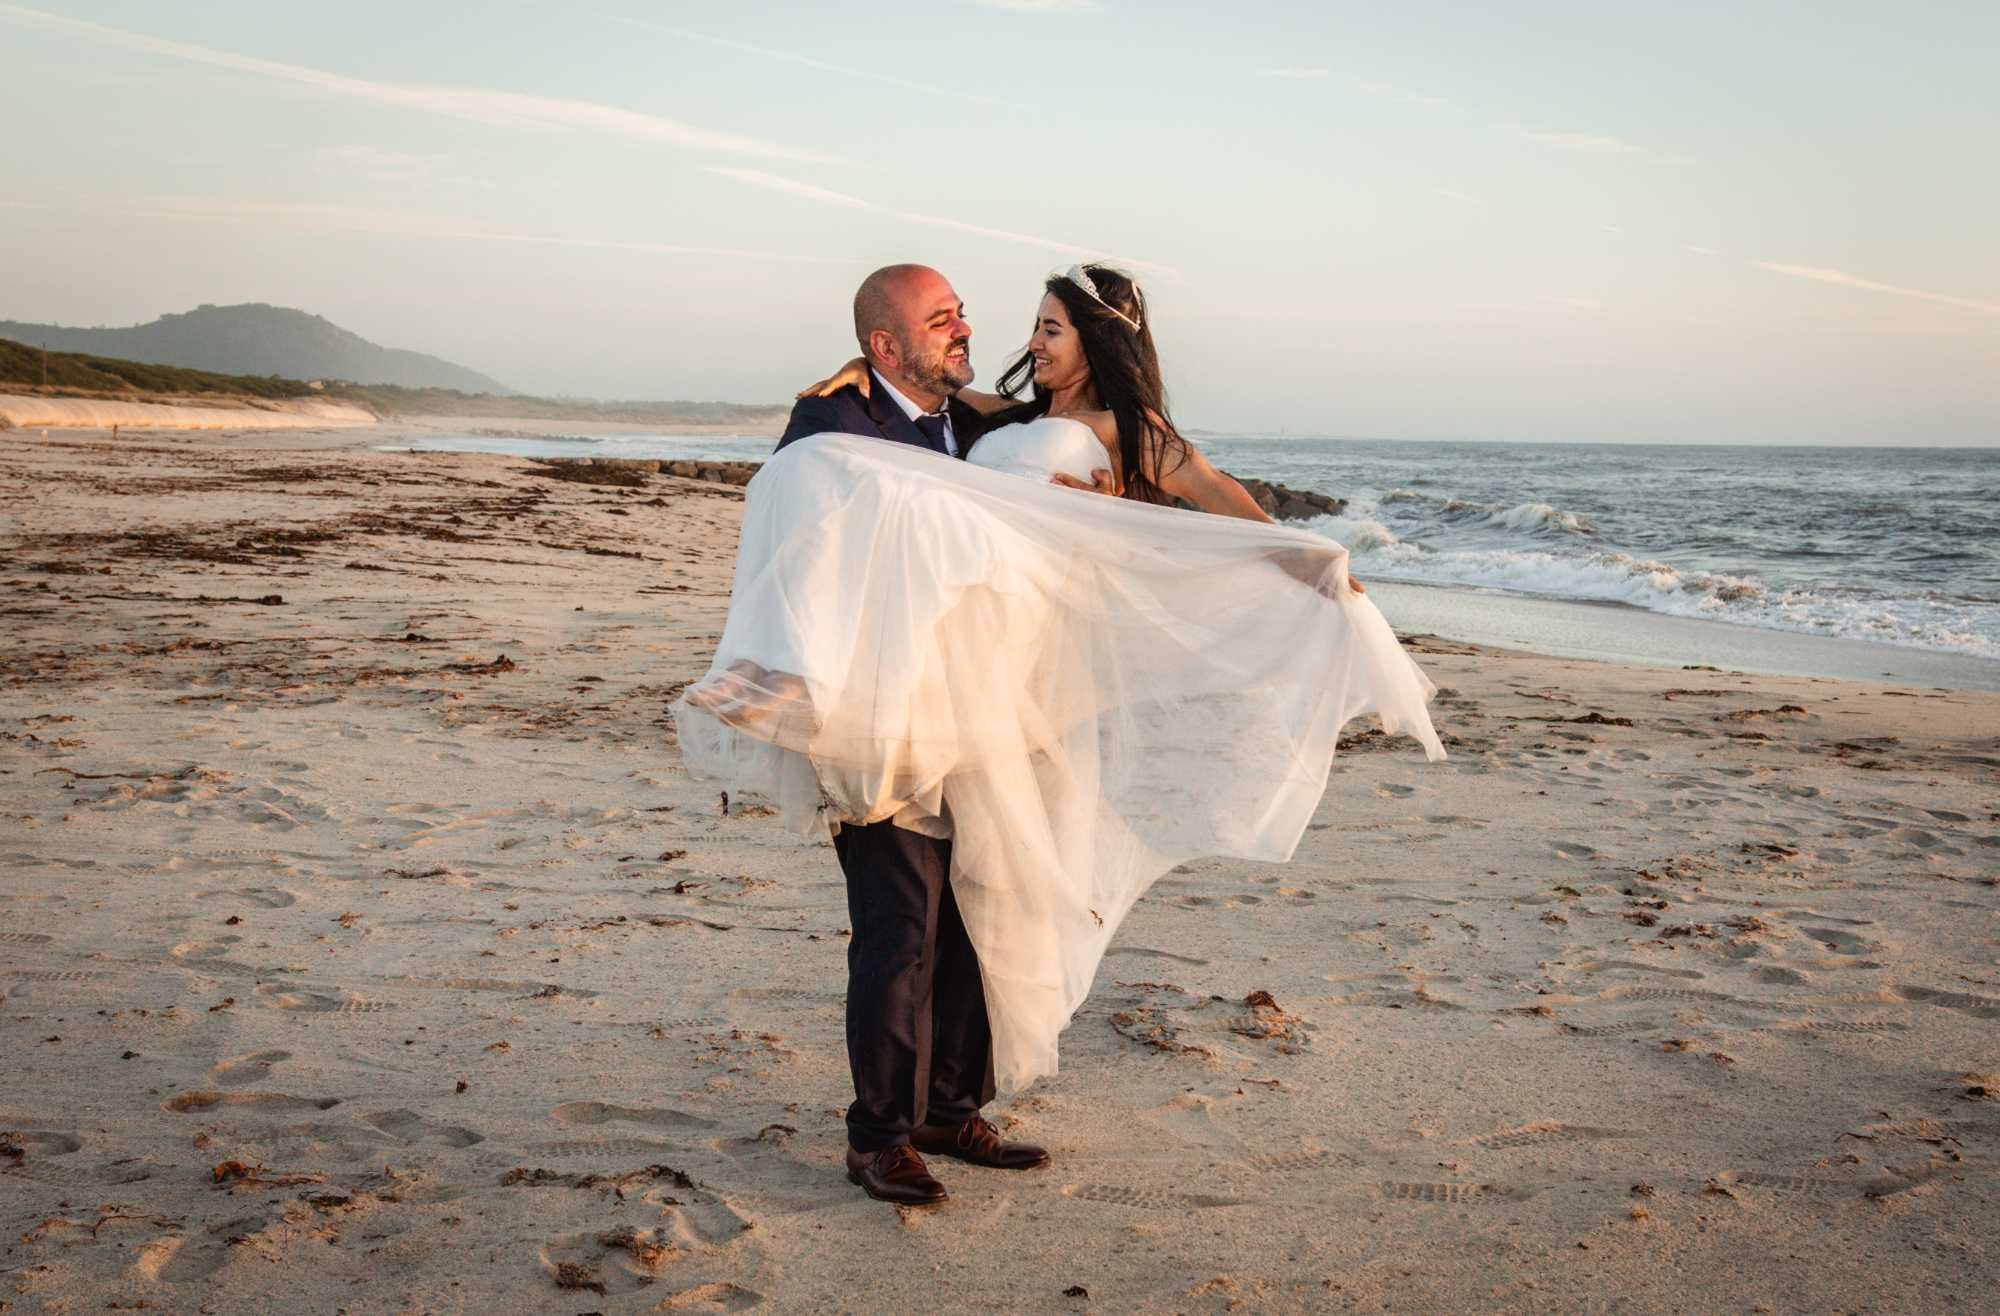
(1479, 614)
(1517, 619)
(366, 935)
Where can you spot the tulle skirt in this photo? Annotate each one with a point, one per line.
(1080, 691)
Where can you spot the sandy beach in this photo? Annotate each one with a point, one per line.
(366, 949)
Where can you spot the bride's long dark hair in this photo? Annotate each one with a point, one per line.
(1124, 370)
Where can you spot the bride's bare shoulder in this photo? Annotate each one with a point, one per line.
(1102, 423)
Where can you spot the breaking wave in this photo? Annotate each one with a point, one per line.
(1609, 576)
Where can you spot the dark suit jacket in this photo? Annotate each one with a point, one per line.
(876, 417)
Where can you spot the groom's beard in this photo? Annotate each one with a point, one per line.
(943, 373)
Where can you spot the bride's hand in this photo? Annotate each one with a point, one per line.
(1310, 567)
(1103, 482)
(855, 372)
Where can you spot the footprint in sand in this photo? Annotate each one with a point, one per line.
(1612, 1030)
(263, 897)
(1918, 838)
(309, 1002)
(599, 1112)
(1152, 1199)
(781, 994)
(252, 1067)
(1482, 1194)
(44, 1142)
(409, 1126)
(1543, 1133)
(1841, 943)
(262, 1103)
(1395, 790)
(1573, 850)
(211, 957)
(1292, 1162)
(1662, 994)
(1594, 966)
(1216, 902)
(1150, 953)
(1861, 1027)
(716, 1295)
(1979, 1007)
(618, 1261)
(43, 1158)
(1803, 1185)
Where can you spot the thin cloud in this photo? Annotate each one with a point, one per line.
(501, 108)
(379, 163)
(1846, 280)
(805, 61)
(408, 224)
(758, 178)
(1701, 251)
(1360, 88)
(1380, 91)
(1577, 303)
(1034, 5)
(1583, 142)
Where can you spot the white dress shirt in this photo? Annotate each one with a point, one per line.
(912, 410)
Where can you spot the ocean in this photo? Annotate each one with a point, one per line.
(1894, 553)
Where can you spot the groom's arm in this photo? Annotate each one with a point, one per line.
(811, 416)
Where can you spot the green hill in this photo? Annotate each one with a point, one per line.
(28, 369)
(257, 339)
(22, 366)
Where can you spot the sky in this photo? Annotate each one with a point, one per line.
(1742, 222)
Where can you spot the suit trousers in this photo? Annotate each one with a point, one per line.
(917, 1037)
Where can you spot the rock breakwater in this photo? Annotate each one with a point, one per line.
(1278, 501)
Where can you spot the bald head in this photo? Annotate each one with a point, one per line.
(911, 327)
(887, 299)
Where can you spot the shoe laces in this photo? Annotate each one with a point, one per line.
(899, 1156)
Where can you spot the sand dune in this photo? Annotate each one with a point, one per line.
(365, 947)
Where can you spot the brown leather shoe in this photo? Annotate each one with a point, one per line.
(980, 1143)
(894, 1174)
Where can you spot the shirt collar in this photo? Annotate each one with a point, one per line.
(910, 409)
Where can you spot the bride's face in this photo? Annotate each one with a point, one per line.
(1055, 348)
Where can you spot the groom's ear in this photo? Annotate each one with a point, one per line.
(882, 349)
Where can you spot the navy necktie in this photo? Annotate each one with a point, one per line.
(933, 428)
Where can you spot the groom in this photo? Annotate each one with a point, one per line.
(917, 1039)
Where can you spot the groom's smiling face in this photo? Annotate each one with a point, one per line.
(936, 342)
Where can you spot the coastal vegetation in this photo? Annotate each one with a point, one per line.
(28, 369)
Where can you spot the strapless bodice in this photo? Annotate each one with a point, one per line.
(1042, 447)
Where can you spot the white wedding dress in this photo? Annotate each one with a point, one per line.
(1081, 691)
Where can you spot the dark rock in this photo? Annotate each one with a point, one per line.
(1279, 502)
(732, 473)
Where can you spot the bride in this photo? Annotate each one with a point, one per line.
(1080, 691)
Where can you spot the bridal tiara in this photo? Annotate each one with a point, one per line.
(1080, 276)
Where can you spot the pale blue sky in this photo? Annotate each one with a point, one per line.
(1746, 222)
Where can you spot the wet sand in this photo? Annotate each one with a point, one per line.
(365, 947)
